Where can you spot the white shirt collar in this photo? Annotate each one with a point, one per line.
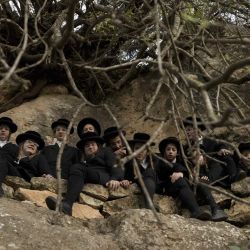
(59, 143)
(144, 164)
(2, 143)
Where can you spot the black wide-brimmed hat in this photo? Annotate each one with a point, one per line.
(141, 138)
(169, 140)
(89, 136)
(86, 121)
(188, 121)
(8, 121)
(111, 132)
(244, 146)
(31, 135)
(62, 122)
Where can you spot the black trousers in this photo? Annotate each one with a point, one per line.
(80, 174)
(181, 189)
(12, 169)
(218, 170)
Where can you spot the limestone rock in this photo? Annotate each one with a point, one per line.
(92, 202)
(85, 212)
(35, 196)
(165, 204)
(115, 206)
(221, 199)
(239, 213)
(138, 229)
(96, 191)
(241, 188)
(41, 183)
(16, 182)
(8, 191)
(119, 193)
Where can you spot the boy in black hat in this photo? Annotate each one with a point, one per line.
(114, 141)
(146, 163)
(27, 163)
(171, 174)
(212, 149)
(70, 156)
(97, 167)
(244, 162)
(88, 125)
(7, 127)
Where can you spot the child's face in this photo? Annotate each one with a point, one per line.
(246, 154)
(191, 134)
(170, 152)
(198, 158)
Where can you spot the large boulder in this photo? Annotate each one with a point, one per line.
(239, 213)
(241, 188)
(139, 229)
(8, 191)
(121, 192)
(16, 182)
(92, 202)
(165, 204)
(96, 191)
(115, 206)
(38, 198)
(50, 184)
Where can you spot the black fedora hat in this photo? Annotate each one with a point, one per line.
(8, 121)
(188, 121)
(244, 146)
(86, 121)
(111, 132)
(141, 138)
(31, 135)
(169, 140)
(89, 136)
(62, 122)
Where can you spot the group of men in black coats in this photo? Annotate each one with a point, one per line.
(167, 172)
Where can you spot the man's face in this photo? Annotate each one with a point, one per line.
(170, 152)
(190, 133)
(141, 156)
(4, 132)
(246, 154)
(116, 143)
(88, 128)
(60, 132)
(30, 147)
(90, 148)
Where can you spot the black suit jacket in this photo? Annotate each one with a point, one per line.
(149, 172)
(164, 171)
(9, 151)
(103, 164)
(70, 156)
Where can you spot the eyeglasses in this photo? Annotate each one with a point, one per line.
(32, 142)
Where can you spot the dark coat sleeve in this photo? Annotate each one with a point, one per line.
(116, 173)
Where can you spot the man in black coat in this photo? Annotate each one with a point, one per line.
(214, 151)
(88, 124)
(70, 156)
(146, 163)
(97, 167)
(8, 150)
(7, 127)
(27, 162)
(171, 175)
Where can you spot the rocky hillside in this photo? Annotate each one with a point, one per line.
(25, 226)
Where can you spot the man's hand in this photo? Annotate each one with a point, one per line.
(113, 185)
(224, 152)
(125, 183)
(121, 152)
(175, 176)
(204, 178)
